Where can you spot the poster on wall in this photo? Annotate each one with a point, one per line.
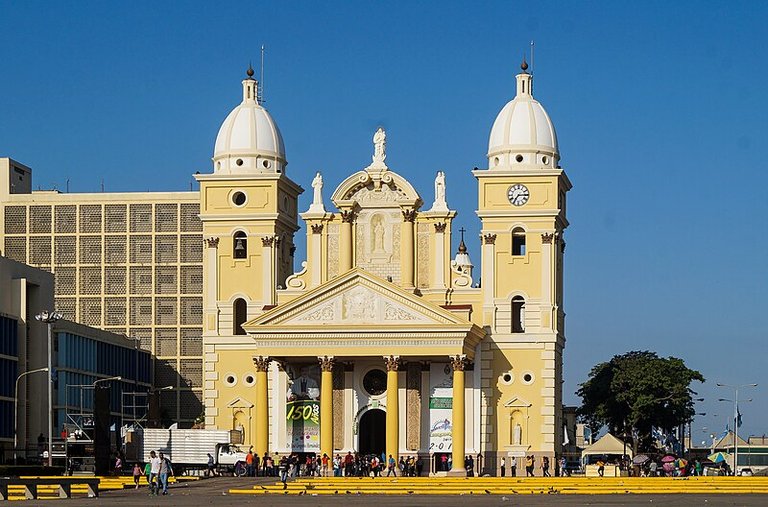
(440, 407)
(302, 408)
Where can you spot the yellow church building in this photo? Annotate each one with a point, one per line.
(382, 342)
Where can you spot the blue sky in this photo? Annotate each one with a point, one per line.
(660, 111)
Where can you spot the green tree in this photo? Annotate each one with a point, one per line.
(637, 391)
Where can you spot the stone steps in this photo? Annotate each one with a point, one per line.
(509, 486)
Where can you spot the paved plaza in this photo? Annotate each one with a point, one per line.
(215, 492)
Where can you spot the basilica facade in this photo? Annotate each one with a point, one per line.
(385, 341)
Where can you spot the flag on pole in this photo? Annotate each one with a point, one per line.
(738, 418)
(566, 440)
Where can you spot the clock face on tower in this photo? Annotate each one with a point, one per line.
(518, 194)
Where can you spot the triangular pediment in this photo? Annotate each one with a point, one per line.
(357, 299)
(239, 403)
(517, 402)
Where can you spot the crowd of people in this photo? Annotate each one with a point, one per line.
(156, 471)
(349, 465)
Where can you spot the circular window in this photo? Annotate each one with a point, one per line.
(238, 198)
(507, 378)
(519, 158)
(527, 377)
(544, 159)
(375, 382)
(266, 164)
(230, 379)
(249, 380)
(239, 161)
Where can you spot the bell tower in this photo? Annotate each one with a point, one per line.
(249, 210)
(522, 206)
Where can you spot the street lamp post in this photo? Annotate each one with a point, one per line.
(735, 421)
(49, 318)
(16, 412)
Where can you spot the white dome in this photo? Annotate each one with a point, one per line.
(523, 134)
(249, 141)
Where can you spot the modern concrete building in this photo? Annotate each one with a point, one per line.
(81, 356)
(128, 263)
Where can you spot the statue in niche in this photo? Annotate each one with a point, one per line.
(379, 145)
(378, 235)
(518, 434)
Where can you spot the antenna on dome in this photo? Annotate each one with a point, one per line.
(260, 93)
(532, 62)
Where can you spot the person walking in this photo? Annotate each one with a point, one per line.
(118, 466)
(503, 466)
(600, 467)
(165, 470)
(282, 467)
(211, 466)
(563, 470)
(513, 467)
(136, 475)
(154, 471)
(530, 463)
(545, 467)
(324, 464)
(391, 466)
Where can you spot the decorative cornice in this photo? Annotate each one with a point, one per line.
(440, 227)
(261, 362)
(268, 240)
(489, 239)
(547, 238)
(409, 215)
(317, 228)
(326, 363)
(458, 362)
(392, 362)
(348, 216)
(212, 242)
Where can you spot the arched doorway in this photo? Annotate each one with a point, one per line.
(372, 438)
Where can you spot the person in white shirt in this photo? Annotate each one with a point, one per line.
(154, 471)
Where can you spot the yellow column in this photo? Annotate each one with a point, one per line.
(326, 405)
(261, 441)
(393, 405)
(345, 242)
(406, 248)
(458, 415)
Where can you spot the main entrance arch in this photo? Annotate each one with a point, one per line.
(372, 438)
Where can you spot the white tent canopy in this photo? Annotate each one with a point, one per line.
(607, 445)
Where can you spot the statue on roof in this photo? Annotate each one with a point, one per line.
(317, 197)
(379, 146)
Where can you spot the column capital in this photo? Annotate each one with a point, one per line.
(459, 362)
(261, 362)
(317, 228)
(547, 238)
(267, 240)
(348, 216)
(392, 362)
(489, 239)
(409, 215)
(212, 242)
(326, 363)
(440, 227)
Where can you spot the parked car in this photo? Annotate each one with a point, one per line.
(746, 472)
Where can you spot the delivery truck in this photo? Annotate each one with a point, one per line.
(187, 449)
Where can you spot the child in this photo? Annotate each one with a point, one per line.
(136, 475)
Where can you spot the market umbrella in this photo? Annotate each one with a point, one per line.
(718, 457)
(668, 466)
(668, 459)
(681, 463)
(640, 459)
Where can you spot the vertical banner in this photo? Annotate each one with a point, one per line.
(303, 425)
(440, 407)
(302, 408)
